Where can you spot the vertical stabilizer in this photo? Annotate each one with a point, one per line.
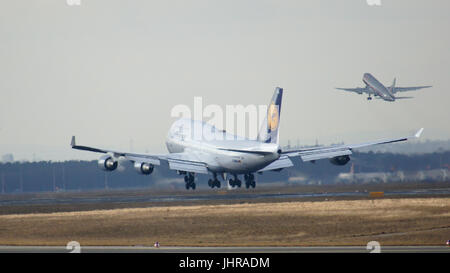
(392, 87)
(269, 130)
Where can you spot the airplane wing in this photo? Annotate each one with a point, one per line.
(185, 161)
(403, 89)
(187, 166)
(316, 153)
(283, 162)
(358, 90)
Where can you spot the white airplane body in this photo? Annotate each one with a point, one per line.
(378, 90)
(225, 153)
(198, 147)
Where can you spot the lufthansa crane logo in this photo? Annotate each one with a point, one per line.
(272, 117)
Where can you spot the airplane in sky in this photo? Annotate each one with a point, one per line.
(379, 91)
(219, 153)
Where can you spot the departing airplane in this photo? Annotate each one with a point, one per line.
(379, 91)
(220, 153)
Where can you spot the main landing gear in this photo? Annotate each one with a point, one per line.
(249, 180)
(235, 182)
(189, 180)
(214, 182)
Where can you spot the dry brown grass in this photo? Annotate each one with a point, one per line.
(419, 221)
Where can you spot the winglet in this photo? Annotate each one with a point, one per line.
(417, 135)
(72, 143)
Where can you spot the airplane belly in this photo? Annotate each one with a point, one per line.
(379, 93)
(378, 89)
(231, 163)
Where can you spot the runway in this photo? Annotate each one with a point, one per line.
(202, 196)
(144, 249)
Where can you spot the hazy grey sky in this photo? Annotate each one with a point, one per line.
(111, 71)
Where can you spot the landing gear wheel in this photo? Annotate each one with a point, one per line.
(231, 182)
(235, 183)
(239, 183)
(189, 180)
(214, 182)
(249, 181)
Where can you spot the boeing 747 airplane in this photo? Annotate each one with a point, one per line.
(378, 90)
(218, 153)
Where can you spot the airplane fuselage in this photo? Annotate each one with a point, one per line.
(377, 88)
(218, 149)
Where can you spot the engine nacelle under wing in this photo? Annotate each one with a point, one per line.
(340, 160)
(107, 163)
(143, 168)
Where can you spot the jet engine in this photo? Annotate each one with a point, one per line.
(340, 160)
(107, 163)
(143, 168)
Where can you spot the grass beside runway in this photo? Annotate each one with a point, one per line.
(399, 221)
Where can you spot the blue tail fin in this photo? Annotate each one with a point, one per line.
(269, 130)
